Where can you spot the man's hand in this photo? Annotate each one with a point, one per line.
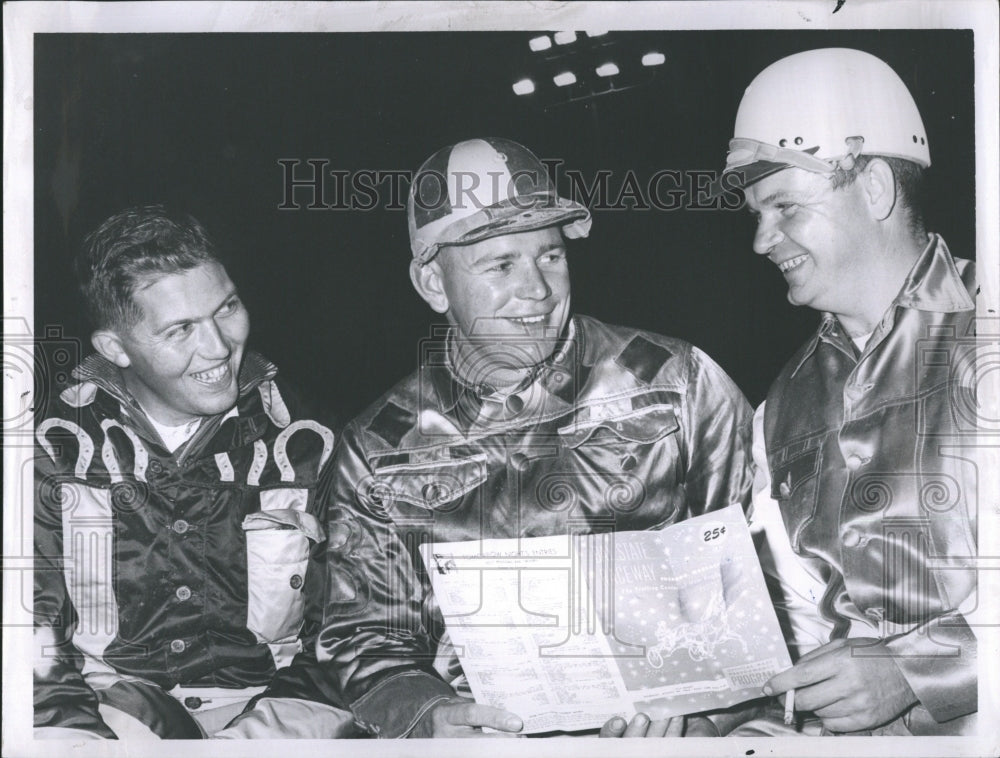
(642, 726)
(460, 717)
(848, 692)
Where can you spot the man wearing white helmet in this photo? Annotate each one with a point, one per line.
(521, 420)
(858, 443)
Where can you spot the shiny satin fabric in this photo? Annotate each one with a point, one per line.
(620, 430)
(874, 467)
(196, 568)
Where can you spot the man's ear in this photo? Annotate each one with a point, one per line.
(109, 344)
(428, 281)
(880, 188)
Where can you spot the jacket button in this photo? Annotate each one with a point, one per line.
(178, 646)
(628, 462)
(192, 703)
(875, 614)
(337, 535)
(431, 492)
(852, 538)
(514, 404)
(180, 526)
(857, 390)
(183, 593)
(519, 461)
(854, 462)
(784, 490)
(155, 466)
(295, 582)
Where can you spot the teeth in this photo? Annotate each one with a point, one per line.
(790, 263)
(530, 319)
(212, 376)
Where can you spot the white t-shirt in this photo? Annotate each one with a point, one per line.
(175, 436)
(861, 341)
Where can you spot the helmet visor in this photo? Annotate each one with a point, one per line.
(754, 160)
(523, 214)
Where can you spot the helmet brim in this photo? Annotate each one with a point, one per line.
(732, 180)
(513, 218)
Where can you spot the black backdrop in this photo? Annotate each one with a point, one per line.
(200, 121)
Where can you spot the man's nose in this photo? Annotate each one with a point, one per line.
(213, 343)
(532, 284)
(766, 237)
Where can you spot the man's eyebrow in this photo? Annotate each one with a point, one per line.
(233, 292)
(188, 320)
(779, 195)
(170, 324)
(496, 258)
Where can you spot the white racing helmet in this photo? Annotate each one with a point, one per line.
(820, 109)
(483, 188)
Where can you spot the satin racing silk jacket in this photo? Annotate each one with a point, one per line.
(873, 461)
(199, 570)
(619, 430)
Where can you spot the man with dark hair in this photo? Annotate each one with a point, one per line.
(521, 421)
(133, 244)
(179, 539)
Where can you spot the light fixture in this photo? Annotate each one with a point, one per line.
(537, 44)
(564, 79)
(524, 87)
(653, 59)
(597, 34)
(564, 38)
(607, 69)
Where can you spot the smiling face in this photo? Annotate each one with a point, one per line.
(182, 359)
(818, 237)
(508, 298)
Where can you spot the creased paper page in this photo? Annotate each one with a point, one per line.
(569, 631)
(508, 605)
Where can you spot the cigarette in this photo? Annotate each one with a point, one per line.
(790, 707)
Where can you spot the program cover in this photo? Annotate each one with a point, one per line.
(568, 631)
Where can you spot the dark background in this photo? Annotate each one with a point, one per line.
(200, 121)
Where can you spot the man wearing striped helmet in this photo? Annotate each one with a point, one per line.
(522, 421)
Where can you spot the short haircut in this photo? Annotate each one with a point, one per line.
(130, 249)
(908, 178)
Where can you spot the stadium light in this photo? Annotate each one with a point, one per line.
(537, 44)
(607, 69)
(524, 87)
(653, 59)
(565, 38)
(564, 79)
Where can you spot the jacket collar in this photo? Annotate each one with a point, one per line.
(933, 284)
(454, 393)
(102, 373)
(97, 373)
